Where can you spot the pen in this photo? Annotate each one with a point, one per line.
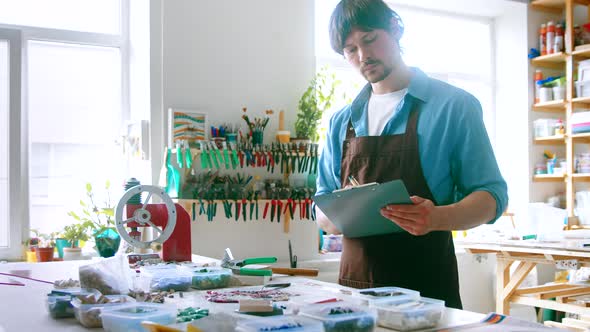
(353, 181)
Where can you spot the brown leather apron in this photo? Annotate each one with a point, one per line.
(424, 263)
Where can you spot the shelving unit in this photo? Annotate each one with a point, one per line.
(557, 139)
(564, 61)
(548, 178)
(584, 138)
(556, 5)
(551, 106)
(581, 101)
(555, 60)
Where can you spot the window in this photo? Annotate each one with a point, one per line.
(75, 94)
(461, 55)
(4, 116)
(101, 16)
(10, 74)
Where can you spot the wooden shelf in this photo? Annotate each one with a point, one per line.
(198, 152)
(548, 178)
(581, 101)
(583, 53)
(555, 6)
(581, 176)
(551, 106)
(556, 60)
(557, 139)
(196, 201)
(581, 137)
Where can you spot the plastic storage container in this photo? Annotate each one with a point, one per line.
(282, 323)
(167, 278)
(89, 314)
(59, 306)
(59, 301)
(342, 316)
(128, 317)
(544, 127)
(295, 303)
(369, 295)
(409, 314)
(210, 278)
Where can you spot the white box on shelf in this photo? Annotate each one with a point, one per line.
(582, 88)
(544, 127)
(584, 70)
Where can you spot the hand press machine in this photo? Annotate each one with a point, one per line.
(170, 222)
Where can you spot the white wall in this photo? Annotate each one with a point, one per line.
(512, 103)
(217, 57)
(220, 56)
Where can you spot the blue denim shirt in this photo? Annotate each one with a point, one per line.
(455, 151)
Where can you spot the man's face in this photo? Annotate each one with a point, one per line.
(374, 53)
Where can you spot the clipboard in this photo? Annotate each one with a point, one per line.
(356, 210)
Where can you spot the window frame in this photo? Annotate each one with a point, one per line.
(16, 174)
(19, 189)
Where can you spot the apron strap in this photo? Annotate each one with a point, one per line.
(350, 132)
(411, 134)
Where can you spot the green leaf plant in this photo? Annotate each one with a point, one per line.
(317, 98)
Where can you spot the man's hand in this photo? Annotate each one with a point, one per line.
(416, 219)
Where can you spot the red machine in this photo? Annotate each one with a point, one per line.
(170, 223)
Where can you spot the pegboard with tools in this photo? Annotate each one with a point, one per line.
(246, 182)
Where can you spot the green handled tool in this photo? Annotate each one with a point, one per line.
(204, 156)
(234, 155)
(214, 154)
(237, 266)
(188, 155)
(225, 155)
(179, 154)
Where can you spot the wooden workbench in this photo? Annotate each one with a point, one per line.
(527, 254)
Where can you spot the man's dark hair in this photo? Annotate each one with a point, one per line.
(365, 14)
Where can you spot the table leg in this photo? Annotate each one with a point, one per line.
(502, 279)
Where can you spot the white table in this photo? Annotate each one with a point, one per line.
(23, 308)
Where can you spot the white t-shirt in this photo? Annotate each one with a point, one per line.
(381, 108)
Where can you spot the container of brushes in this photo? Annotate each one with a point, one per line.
(283, 136)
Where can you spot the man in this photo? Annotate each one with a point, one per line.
(405, 125)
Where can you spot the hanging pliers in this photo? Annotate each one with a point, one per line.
(225, 155)
(188, 155)
(205, 162)
(234, 155)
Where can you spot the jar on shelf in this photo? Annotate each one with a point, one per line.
(541, 168)
(559, 128)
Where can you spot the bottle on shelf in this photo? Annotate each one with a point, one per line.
(559, 37)
(538, 78)
(550, 37)
(543, 39)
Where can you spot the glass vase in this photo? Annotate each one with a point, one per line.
(107, 242)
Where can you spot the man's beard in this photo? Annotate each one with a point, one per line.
(368, 75)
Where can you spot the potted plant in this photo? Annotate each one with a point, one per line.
(31, 245)
(100, 219)
(318, 97)
(45, 246)
(75, 233)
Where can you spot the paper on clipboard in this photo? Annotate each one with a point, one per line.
(356, 210)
